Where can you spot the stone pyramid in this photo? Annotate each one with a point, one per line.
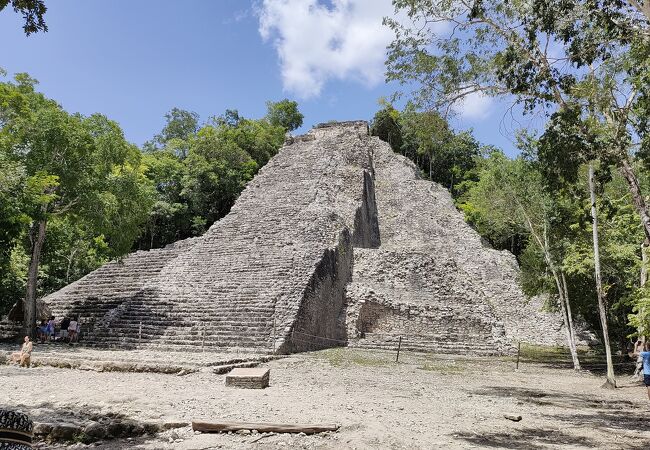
(336, 241)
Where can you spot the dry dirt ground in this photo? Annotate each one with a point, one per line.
(424, 401)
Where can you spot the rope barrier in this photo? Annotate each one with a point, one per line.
(321, 337)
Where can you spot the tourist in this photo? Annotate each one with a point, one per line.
(65, 323)
(72, 330)
(638, 369)
(41, 331)
(645, 355)
(26, 353)
(49, 330)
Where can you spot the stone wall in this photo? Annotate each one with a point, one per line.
(434, 265)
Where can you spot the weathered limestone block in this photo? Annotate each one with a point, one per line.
(249, 378)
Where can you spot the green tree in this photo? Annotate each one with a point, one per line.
(386, 125)
(198, 174)
(217, 171)
(284, 114)
(585, 62)
(32, 11)
(509, 200)
(577, 60)
(74, 166)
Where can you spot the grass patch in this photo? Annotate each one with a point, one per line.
(346, 357)
(450, 368)
(543, 353)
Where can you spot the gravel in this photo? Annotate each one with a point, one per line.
(425, 401)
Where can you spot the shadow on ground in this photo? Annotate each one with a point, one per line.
(559, 399)
(528, 438)
(579, 411)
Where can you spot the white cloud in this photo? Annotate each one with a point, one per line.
(474, 106)
(316, 42)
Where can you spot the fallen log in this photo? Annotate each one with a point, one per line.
(221, 427)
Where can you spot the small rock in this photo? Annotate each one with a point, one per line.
(95, 431)
(512, 417)
(42, 429)
(64, 432)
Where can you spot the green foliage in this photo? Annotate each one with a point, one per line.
(499, 203)
(284, 114)
(385, 125)
(198, 172)
(510, 200)
(32, 12)
(585, 65)
(76, 174)
(217, 170)
(97, 193)
(426, 138)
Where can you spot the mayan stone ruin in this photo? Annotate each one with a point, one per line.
(336, 241)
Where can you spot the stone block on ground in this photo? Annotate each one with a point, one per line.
(249, 378)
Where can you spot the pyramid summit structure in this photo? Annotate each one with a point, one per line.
(336, 241)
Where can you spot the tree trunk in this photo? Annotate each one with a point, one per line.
(565, 319)
(568, 308)
(644, 263)
(611, 380)
(563, 295)
(637, 198)
(638, 370)
(572, 330)
(29, 307)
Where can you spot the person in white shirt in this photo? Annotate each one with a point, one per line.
(72, 330)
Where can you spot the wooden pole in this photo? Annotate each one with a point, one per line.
(203, 338)
(140, 332)
(221, 427)
(399, 346)
(274, 335)
(518, 352)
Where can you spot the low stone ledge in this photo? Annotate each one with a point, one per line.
(104, 428)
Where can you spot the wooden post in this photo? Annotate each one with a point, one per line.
(274, 335)
(399, 346)
(203, 339)
(222, 427)
(518, 351)
(140, 333)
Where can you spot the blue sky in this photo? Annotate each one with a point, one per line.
(135, 60)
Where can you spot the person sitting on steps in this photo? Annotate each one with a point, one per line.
(26, 353)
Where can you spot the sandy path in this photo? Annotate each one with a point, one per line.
(423, 402)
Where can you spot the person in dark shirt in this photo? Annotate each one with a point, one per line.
(64, 328)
